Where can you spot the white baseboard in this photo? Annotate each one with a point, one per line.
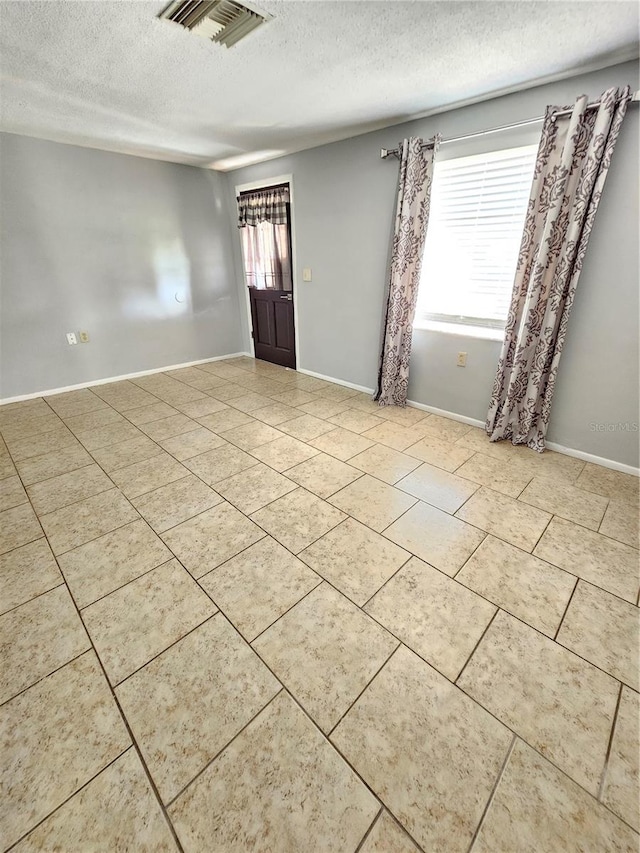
(463, 419)
(49, 392)
(336, 381)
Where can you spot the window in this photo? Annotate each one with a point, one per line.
(478, 207)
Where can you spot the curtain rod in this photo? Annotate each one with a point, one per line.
(395, 152)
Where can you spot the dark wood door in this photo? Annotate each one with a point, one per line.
(273, 327)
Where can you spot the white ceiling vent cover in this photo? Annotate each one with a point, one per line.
(222, 21)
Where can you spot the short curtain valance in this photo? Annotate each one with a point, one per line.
(269, 205)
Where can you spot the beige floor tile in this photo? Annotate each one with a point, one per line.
(372, 502)
(435, 536)
(605, 630)
(220, 464)
(78, 523)
(550, 465)
(250, 402)
(621, 789)
(123, 395)
(7, 468)
(100, 437)
(325, 651)
(194, 376)
(306, 427)
(259, 585)
(26, 572)
(295, 790)
(501, 474)
(165, 428)
(22, 409)
(146, 414)
(438, 618)
(65, 489)
(116, 811)
(341, 443)
(37, 638)
(126, 453)
(611, 484)
(476, 439)
(437, 487)
(186, 705)
(354, 559)
(83, 425)
(192, 443)
(622, 522)
(598, 559)
(324, 408)
(536, 807)
(439, 452)
(566, 501)
(275, 414)
(560, 704)
(323, 475)
(394, 435)
(387, 836)
(18, 526)
(226, 393)
(251, 435)
(206, 541)
(176, 502)
(407, 416)
(294, 397)
(53, 464)
(31, 428)
(48, 442)
(150, 474)
(55, 737)
(104, 564)
(138, 621)
(199, 408)
(429, 752)
(339, 393)
(384, 463)
(525, 586)
(75, 402)
(444, 428)
(250, 490)
(284, 453)
(298, 519)
(12, 493)
(506, 518)
(225, 420)
(356, 421)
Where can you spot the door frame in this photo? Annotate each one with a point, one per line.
(259, 185)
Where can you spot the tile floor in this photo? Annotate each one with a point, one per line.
(245, 609)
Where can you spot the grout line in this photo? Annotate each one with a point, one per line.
(70, 797)
(473, 651)
(226, 746)
(565, 611)
(88, 648)
(368, 832)
(37, 595)
(605, 766)
(321, 580)
(493, 792)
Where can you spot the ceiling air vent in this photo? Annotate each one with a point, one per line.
(222, 21)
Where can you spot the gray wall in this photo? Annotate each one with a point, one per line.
(343, 211)
(103, 242)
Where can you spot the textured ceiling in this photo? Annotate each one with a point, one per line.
(111, 75)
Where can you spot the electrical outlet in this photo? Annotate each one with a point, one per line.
(84, 337)
(71, 338)
(462, 359)
(306, 274)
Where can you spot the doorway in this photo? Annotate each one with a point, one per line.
(266, 238)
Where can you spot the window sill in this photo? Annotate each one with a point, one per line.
(461, 330)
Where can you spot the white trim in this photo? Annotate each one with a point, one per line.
(597, 460)
(49, 392)
(463, 419)
(362, 388)
(257, 185)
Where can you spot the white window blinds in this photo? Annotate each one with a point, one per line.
(478, 207)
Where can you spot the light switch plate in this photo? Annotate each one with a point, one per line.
(71, 338)
(306, 274)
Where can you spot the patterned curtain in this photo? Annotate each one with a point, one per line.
(571, 167)
(269, 205)
(412, 215)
